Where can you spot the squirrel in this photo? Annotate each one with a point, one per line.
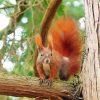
(62, 55)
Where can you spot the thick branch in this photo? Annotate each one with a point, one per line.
(48, 17)
(28, 87)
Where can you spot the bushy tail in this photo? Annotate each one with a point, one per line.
(66, 40)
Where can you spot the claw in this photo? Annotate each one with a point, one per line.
(48, 82)
(41, 81)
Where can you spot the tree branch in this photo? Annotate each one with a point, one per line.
(29, 87)
(48, 17)
(6, 7)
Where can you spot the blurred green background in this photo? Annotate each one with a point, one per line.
(19, 22)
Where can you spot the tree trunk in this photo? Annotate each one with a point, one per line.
(91, 64)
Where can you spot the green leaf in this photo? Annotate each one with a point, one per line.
(1, 1)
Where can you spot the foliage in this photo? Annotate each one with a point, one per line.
(23, 63)
(33, 14)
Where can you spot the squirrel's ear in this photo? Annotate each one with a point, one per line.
(38, 42)
(50, 42)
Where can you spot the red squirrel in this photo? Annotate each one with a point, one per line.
(62, 55)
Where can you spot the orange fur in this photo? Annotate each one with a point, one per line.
(38, 41)
(66, 40)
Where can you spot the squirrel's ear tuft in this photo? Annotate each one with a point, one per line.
(50, 42)
(38, 42)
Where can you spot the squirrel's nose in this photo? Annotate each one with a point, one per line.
(47, 61)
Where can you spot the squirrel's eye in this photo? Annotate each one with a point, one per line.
(51, 54)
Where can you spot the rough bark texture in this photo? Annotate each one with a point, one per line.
(91, 64)
(45, 24)
(28, 87)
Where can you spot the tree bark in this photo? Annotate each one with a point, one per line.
(27, 87)
(91, 64)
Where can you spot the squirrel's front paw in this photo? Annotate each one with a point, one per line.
(48, 82)
(41, 81)
(44, 82)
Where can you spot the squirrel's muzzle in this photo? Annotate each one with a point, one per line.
(47, 61)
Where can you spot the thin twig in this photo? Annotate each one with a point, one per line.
(6, 7)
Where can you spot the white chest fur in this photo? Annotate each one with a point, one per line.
(46, 68)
